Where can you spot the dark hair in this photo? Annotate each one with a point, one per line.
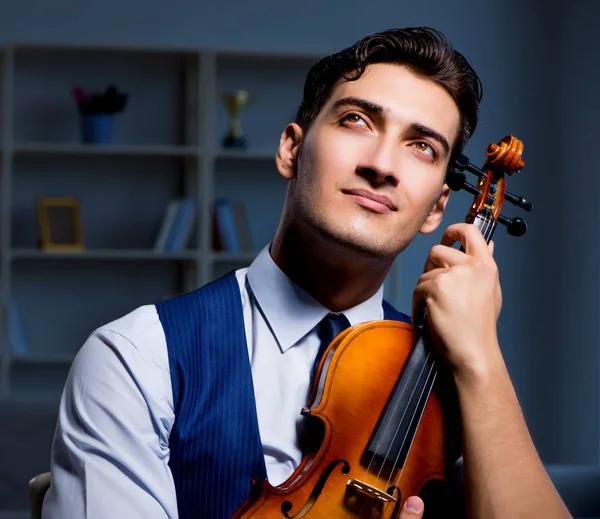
(424, 51)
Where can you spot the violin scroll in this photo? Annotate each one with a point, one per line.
(506, 155)
(502, 158)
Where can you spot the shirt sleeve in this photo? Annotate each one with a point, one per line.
(110, 450)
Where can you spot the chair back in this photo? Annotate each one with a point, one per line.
(38, 486)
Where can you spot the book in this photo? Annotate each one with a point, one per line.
(226, 226)
(16, 333)
(166, 225)
(183, 224)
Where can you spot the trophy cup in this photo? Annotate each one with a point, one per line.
(235, 103)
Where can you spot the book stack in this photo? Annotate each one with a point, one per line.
(230, 229)
(177, 225)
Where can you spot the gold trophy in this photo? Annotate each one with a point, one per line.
(235, 103)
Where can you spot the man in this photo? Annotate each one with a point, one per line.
(171, 410)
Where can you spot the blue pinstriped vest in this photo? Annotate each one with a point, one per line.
(215, 442)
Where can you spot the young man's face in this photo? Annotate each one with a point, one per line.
(371, 169)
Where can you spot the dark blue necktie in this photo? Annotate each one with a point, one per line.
(329, 328)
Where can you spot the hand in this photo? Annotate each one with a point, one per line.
(413, 508)
(461, 291)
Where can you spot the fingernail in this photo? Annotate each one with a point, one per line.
(413, 504)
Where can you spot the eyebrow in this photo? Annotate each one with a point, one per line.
(425, 130)
(378, 110)
(367, 106)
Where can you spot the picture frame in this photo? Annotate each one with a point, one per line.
(59, 220)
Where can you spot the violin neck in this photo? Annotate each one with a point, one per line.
(486, 224)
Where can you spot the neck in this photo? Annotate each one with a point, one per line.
(337, 276)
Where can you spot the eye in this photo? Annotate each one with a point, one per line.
(426, 148)
(353, 118)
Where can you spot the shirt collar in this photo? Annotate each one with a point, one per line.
(289, 310)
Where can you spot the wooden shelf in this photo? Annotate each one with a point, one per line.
(226, 256)
(233, 154)
(146, 150)
(105, 254)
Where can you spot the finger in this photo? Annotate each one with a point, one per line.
(470, 238)
(419, 301)
(413, 508)
(491, 246)
(444, 256)
(432, 274)
(420, 293)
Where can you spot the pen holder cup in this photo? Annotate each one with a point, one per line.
(96, 128)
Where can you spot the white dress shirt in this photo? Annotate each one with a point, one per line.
(111, 448)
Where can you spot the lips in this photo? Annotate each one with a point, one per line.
(381, 199)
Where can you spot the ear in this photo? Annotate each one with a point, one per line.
(289, 146)
(434, 217)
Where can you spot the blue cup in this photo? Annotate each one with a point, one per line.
(96, 128)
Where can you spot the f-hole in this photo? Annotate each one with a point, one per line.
(314, 495)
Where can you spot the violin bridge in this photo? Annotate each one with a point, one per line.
(366, 500)
(371, 491)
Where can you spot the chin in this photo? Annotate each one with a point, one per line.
(363, 243)
(352, 233)
(372, 249)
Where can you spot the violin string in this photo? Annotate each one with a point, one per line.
(397, 401)
(433, 370)
(486, 229)
(410, 399)
(390, 420)
(398, 427)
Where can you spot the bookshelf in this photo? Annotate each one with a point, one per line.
(166, 144)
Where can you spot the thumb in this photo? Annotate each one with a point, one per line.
(413, 508)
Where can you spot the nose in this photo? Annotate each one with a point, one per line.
(378, 165)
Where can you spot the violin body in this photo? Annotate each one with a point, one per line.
(353, 383)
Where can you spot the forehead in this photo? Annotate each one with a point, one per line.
(406, 97)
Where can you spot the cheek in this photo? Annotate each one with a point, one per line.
(421, 189)
(328, 168)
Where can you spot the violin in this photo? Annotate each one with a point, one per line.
(382, 420)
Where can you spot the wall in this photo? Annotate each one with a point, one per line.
(576, 179)
(515, 48)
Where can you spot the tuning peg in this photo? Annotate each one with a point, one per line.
(518, 201)
(456, 181)
(462, 163)
(515, 226)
